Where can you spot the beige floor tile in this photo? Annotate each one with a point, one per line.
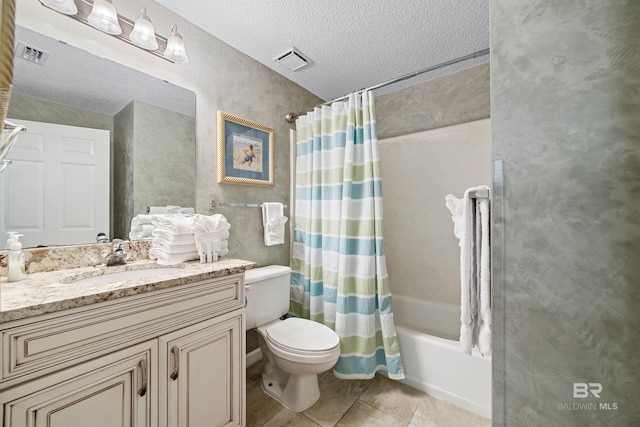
(434, 412)
(364, 415)
(336, 397)
(287, 418)
(260, 407)
(392, 397)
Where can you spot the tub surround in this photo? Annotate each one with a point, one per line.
(46, 292)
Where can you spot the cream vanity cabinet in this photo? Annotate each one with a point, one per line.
(170, 358)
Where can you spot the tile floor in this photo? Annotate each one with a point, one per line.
(363, 403)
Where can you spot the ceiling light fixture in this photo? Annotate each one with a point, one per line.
(101, 14)
(68, 7)
(143, 34)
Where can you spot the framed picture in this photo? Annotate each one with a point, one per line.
(245, 151)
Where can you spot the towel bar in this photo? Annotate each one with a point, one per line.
(213, 204)
(479, 194)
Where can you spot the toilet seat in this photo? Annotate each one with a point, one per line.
(303, 341)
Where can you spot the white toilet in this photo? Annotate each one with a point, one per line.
(295, 350)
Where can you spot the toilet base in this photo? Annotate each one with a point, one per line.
(298, 393)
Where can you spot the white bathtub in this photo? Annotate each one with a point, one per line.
(433, 361)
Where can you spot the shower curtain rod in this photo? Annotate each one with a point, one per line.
(291, 117)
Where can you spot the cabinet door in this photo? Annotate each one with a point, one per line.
(204, 381)
(112, 391)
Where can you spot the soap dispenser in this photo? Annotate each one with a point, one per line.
(12, 238)
(16, 258)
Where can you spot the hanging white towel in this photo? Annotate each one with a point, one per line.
(484, 292)
(471, 227)
(273, 221)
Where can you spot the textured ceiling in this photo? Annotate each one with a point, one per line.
(353, 44)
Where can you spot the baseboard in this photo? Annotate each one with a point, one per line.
(253, 357)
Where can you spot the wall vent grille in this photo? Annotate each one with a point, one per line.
(293, 59)
(31, 53)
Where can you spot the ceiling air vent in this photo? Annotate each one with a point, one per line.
(293, 59)
(31, 54)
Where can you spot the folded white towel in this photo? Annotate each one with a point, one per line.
(172, 249)
(209, 223)
(172, 259)
(273, 221)
(153, 210)
(143, 231)
(168, 237)
(139, 220)
(175, 224)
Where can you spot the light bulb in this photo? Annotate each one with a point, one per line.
(176, 50)
(143, 34)
(104, 17)
(68, 7)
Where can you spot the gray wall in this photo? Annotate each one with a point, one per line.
(155, 160)
(450, 100)
(164, 157)
(123, 162)
(565, 112)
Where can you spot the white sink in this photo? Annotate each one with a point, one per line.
(121, 276)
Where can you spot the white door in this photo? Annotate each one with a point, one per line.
(56, 192)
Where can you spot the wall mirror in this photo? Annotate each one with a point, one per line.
(151, 126)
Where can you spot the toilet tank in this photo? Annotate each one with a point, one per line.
(267, 293)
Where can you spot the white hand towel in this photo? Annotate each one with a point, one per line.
(484, 297)
(273, 221)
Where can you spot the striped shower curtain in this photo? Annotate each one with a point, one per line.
(339, 271)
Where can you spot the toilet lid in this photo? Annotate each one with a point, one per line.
(303, 334)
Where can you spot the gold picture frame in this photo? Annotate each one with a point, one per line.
(245, 152)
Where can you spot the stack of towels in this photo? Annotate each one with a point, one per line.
(174, 236)
(142, 226)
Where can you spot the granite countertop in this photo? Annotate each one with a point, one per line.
(53, 291)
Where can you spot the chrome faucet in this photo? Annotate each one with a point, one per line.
(118, 256)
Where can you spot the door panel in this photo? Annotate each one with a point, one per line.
(114, 391)
(57, 189)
